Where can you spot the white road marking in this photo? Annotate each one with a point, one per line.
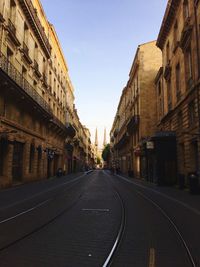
(152, 257)
(24, 212)
(104, 210)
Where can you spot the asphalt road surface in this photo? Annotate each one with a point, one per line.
(95, 219)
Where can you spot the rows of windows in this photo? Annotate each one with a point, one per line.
(54, 78)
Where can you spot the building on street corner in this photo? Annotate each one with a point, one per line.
(36, 96)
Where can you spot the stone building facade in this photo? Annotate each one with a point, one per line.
(36, 95)
(135, 120)
(177, 88)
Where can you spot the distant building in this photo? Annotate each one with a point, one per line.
(135, 119)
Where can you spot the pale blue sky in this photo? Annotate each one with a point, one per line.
(99, 39)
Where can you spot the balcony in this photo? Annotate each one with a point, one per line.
(123, 141)
(12, 33)
(133, 123)
(70, 130)
(56, 122)
(26, 56)
(22, 85)
(167, 72)
(36, 68)
(32, 17)
(186, 34)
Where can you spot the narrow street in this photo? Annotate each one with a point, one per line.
(96, 219)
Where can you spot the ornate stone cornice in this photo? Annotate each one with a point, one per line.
(167, 22)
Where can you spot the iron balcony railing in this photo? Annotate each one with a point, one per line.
(17, 77)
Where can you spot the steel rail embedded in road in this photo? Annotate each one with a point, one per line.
(191, 259)
(38, 228)
(109, 260)
(51, 189)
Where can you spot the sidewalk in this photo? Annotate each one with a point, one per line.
(182, 196)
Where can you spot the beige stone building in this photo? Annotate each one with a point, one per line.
(36, 96)
(135, 120)
(177, 88)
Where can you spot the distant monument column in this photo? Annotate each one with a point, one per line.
(96, 143)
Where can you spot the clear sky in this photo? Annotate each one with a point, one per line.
(99, 39)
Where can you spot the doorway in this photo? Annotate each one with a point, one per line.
(17, 162)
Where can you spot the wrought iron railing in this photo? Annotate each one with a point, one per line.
(17, 77)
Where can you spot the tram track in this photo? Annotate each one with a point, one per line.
(109, 260)
(58, 195)
(170, 220)
(115, 241)
(175, 227)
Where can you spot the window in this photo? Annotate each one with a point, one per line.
(36, 52)
(25, 34)
(9, 54)
(178, 91)
(188, 66)
(12, 10)
(24, 72)
(167, 53)
(10, 59)
(175, 34)
(50, 78)
(34, 83)
(191, 113)
(185, 9)
(169, 95)
(44, 66)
